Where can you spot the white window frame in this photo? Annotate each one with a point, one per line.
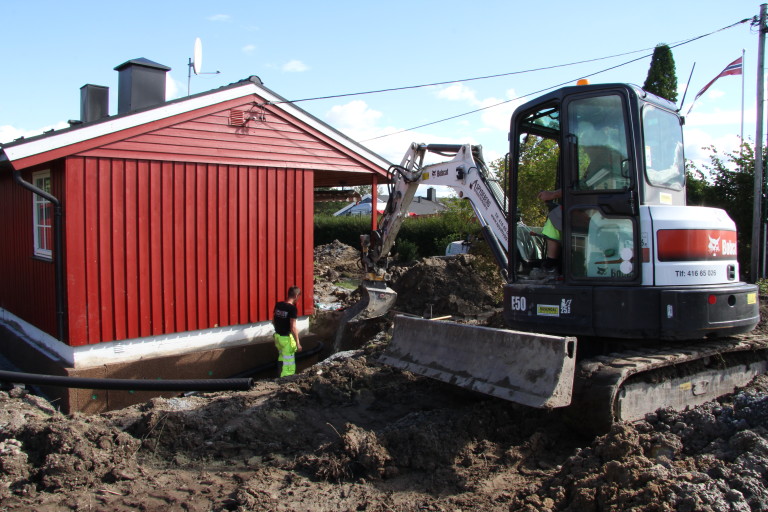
(37, 201)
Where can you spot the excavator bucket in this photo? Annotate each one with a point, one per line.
(377, 299)
(531, 369)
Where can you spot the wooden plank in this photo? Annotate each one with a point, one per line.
(223, 243)
(74, 228)
(253, 245)
(168, 251)
(280, 239)
(292, 245)
(268, 141)
(180, 260)
(271, 253)
(248, 153)
(201, 199)
(118, 251)
(132, 250)
(156, 246)
(91, 202)
(213, 246)
(144, 249)
(226, 159)
(191, 233)
(232, 244)
(105, 259)
(262, 254)
(308, 255)
(242, 244)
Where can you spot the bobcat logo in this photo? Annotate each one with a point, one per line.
(714, 245)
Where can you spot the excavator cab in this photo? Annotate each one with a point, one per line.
(615, 154)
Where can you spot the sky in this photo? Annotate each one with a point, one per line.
(309, 49)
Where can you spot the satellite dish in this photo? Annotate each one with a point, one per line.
(197, 59)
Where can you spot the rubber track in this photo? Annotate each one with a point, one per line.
(598, 379)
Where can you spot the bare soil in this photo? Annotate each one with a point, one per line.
(351, 434)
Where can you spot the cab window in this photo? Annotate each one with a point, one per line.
(663, 136)
(597, 129)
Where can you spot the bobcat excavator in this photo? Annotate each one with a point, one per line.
(646, 309)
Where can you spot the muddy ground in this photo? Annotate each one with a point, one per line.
(350, 434)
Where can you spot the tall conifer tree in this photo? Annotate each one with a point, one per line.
(662, 80)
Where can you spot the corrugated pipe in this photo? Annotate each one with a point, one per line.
(58, 251)
(127, 384)
(237, 383)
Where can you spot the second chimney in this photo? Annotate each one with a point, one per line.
(94, 102)
(141, 83)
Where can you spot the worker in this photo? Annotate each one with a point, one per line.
(286, 333)
(551, 230)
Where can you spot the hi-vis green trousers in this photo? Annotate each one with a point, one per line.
(286, 347)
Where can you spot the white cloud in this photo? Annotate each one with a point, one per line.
(458, 92)
(10, 133)
(249, 48)
(361, 123)
(220, 17)
(173, 88)
(295, 66)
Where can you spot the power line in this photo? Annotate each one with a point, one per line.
(498, 75)
(559, 84)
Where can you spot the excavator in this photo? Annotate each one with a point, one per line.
(644, 308)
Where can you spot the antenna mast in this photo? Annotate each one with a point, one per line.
(196, 64)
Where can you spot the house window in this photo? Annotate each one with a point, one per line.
(42, 215)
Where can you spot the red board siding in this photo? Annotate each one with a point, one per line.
(26, 283)
(162, 247)
(279, 141)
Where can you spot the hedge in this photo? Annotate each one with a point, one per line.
(418, 237)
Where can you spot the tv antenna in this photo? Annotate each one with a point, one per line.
(196, 63)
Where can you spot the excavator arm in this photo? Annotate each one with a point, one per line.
(466, 173)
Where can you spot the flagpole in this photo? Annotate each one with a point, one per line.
(741, 152)
(754, 272)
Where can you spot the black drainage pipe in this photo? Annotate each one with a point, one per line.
(236, 383)
(127, 384)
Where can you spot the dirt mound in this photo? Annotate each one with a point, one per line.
(350, 434)
(714, 457)
(463, 285)
(338, 257)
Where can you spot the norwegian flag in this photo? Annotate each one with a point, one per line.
(734, 68)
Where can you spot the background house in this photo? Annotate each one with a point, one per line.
(154, 243)
(421, 205)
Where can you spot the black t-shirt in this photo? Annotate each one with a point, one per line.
(284, 311)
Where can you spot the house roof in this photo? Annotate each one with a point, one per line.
(31, 151)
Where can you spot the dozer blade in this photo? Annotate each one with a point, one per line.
(531, 369)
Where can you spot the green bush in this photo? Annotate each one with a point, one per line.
(418, 236)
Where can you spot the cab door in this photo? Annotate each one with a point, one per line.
(599, 190)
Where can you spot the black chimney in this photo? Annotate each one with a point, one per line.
(431, 194)
(94, 102)
(141, 83)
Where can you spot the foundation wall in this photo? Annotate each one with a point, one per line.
(208, 364)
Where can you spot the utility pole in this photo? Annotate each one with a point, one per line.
(757, 249)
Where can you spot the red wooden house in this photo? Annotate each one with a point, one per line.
(154, 243)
